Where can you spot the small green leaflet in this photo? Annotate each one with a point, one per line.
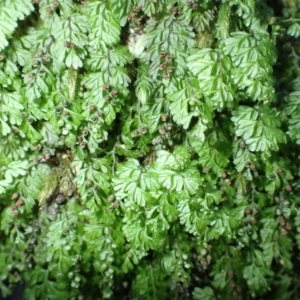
(14, 169)
(133, 182)
(10, 13)
(187, 181)
(255, 276)
(292, 108)
(294, 30)
(212, 153)
(258, 127)
(213, 72)
(143, 84)
(223, 20)
(107, 27)
(176, 160)
(203, 294)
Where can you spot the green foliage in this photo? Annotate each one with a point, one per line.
(149, 149)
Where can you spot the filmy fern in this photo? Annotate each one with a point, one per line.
(149, 149)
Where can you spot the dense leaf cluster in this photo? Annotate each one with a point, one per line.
(149, 149)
